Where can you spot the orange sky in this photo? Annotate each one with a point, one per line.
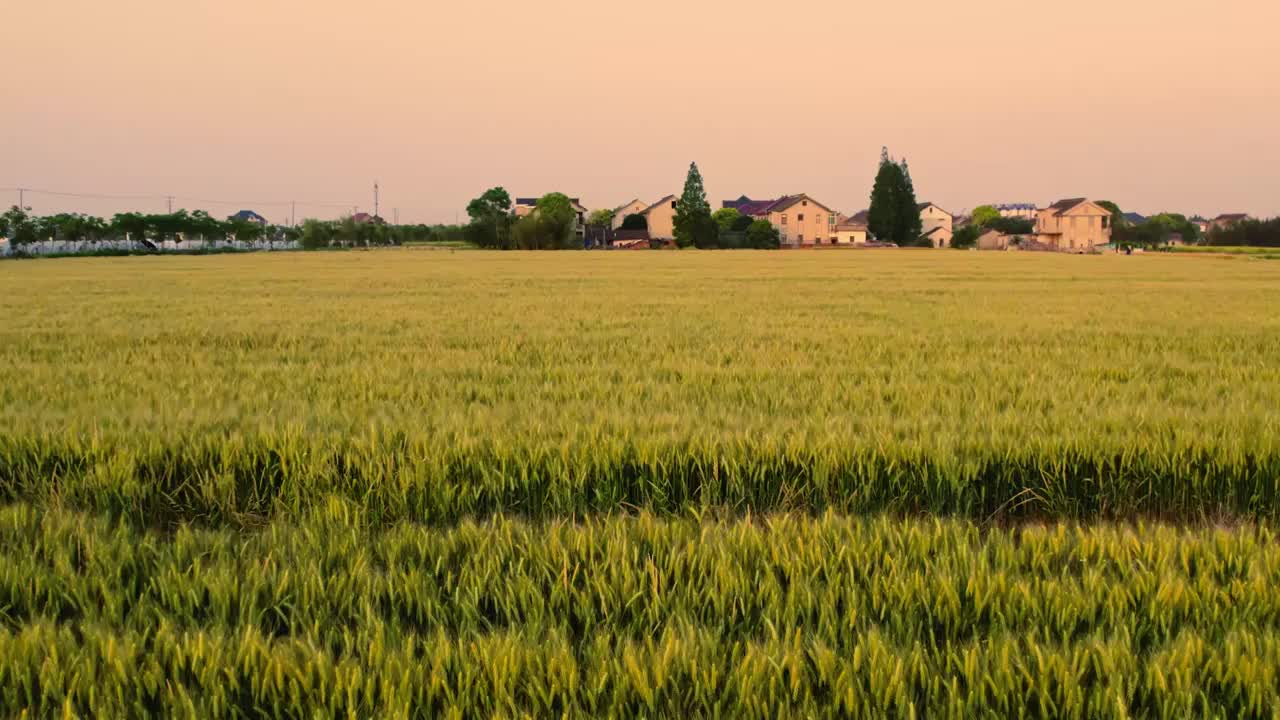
(1156, 105)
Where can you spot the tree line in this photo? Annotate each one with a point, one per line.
(23, 228)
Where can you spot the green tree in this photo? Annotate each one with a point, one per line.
(693, 223)
(635, 221)
(726, 218)
(20, 226)
(967, 236)
(762, 235)
(316, 234)
(983, 215)
(491, 219)
(882, 215)
(556, 219)
(1012, 225)
(893, 215)
(1118, 220)
(601, 219)
(910, 226)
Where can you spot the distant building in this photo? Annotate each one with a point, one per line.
(994, 240)
(935, 224)
(363, 218)
(620, 213)
(1227, 219)
(850, 232)
(1026, 211)
(249, 216)
(800, 220)
(661, 218)
(1073, 225)
(1134, 218)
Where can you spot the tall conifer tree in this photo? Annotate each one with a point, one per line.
(693, 223)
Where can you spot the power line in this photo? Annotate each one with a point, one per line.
(170, 198)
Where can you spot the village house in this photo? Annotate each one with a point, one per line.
(249, 216)
(935, 225)
(850, 231)
(801, 221)
(994, 240)
(620, 213)
(1073, 225)
(661, 218)
(1227, 219)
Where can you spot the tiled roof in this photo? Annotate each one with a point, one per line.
(1064, 205)
(1231, 217)
(660, 201)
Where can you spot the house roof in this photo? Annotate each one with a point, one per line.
(922, 206)
(847, 225)
(734, 204)
(1017, 206)
(1064, 205)
(1230, 217)
(660, 201)
(1135, 218)
(862, 216)
(787, 201)
(931, 231)
(628, 204)
(248, 215)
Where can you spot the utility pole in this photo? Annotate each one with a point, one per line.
(21, 203)
(169, 198)
(375, 199)
(395, 216)
(293, 213)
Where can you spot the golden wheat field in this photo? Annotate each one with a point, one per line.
(425, 483)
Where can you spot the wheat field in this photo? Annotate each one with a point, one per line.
(423, 483)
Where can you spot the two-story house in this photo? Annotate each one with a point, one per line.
(800, 220)
(1073, 225)
(935, 224)
(661, 218)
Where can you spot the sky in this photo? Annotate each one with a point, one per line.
(231, 104)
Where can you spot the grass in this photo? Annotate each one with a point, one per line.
(444, 385)
(330, 615)
(736, 484)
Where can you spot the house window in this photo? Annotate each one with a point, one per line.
(800, 239)
(673, 204)
(833, 241)
(1105, 220)
(800, 217)
(804, 203)
(784, 219)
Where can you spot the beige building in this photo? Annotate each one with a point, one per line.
(1227, 219)
(800, 220)
(851, 232)
(1074, 225)
(620, 213)
(936, 224)
(661, 217)
(993, 240)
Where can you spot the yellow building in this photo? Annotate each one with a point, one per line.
(1074, 225)
(801, 221)
(935, 224)
(661, 217)
(620, 213)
